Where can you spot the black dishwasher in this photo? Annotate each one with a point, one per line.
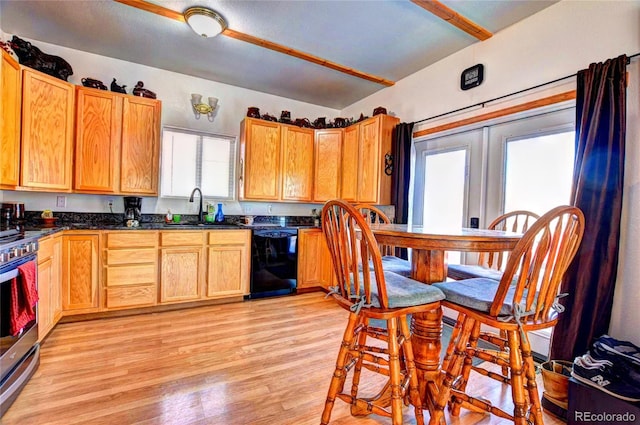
(274, 262)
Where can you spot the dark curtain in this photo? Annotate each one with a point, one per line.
(597, 190)
(401, 145)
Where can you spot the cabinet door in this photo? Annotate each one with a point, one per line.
(368, 168)
(315, 268)
(297, 163)
(140, 146)
(98, 133)
(180, 274)
(228, 263)
(47, 132)
(328, 150)
(349, 168)
(260, 156)
(10, 132)
(80, 266)
(56, 280)
(45, 279)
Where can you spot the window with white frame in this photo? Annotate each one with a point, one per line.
(197, 159)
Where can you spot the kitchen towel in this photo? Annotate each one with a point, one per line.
(24, 296)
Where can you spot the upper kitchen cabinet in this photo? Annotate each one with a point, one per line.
(139, 167)
(260, 151)
(98, 141)
(117, 143)
(328, 146)
(276, 161)
(47, 132)
(373, 138)
(297, 163)
(11, 90)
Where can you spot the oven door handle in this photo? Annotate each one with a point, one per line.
(5, 277)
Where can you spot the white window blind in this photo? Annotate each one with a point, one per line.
(196, 159)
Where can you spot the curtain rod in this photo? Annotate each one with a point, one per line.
(507, 95)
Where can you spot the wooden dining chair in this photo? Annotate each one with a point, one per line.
(491, 265)
(372, 294)
(524, 299)
(373, 214)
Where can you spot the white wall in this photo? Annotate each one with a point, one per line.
(554, 43)
(174, 90)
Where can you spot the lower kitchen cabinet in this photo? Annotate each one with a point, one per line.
(228, 263)
(130, 276)
(80, 272)
(315, 268)
(49, 284)
(181, 265)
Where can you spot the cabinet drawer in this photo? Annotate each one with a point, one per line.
(226, 237)
(131, 256)
(131, 296)
(181, 238)
(131, 275)
(45, 249)
(132, 239)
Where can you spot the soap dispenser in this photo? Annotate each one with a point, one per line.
(219, 214)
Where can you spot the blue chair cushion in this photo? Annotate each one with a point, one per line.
(477, 294)
(396, 265)
(468, 271)
(404, 292)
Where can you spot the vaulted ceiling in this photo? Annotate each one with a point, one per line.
(329, 52)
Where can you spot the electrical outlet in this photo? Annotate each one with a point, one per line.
(61, 201)
(110, 204)
(269, 209)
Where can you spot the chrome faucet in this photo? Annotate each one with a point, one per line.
(200, 216)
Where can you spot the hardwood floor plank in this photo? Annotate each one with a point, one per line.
(261, 362)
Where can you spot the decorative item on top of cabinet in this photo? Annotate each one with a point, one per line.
(96, 84)
(11, 98)
(253, 112)
(29, 55)
(118, 89)
(139, 90)
(47, 132)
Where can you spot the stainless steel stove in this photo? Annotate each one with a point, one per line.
(19, 352)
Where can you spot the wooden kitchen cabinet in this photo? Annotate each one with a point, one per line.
(130, 277)
(47, 132)
(11, 97)
(228, 263)
(297, 163)
(367, 179)
(260, 151)
(49, 284)
(80, 272)
(139, 168)
(117, 143)
(181, 265)
(276, 161)
(315, 268)
(328, 158)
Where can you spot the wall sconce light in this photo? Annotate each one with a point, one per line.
(200, 108)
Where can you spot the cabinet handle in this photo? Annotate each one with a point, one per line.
(388, 164)
(241, 178)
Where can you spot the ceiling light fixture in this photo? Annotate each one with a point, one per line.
(205, 22)
(202, 108)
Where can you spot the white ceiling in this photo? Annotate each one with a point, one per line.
(389, 39)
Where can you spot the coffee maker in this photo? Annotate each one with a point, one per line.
(132, 208)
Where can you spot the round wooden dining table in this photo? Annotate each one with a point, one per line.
(428, 264)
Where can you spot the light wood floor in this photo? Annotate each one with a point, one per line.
(257, 362)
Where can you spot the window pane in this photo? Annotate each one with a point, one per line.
(216, 167)
(179, 153)
(539, 172)
(444, 192)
